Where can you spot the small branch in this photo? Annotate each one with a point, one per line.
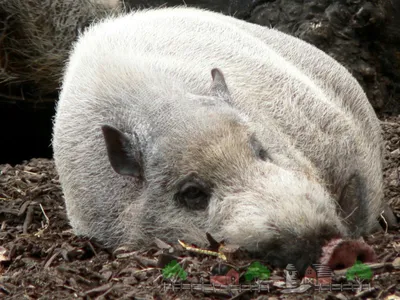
(28, 219)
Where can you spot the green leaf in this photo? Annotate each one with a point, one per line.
(265, 275)
(360, 271)
(248, 276)
(173, 269)
(257, 270)
(182, 274)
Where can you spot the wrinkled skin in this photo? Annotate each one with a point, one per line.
(277, 150)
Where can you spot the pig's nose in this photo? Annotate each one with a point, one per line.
(346, 253)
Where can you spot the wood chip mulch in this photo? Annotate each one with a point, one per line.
(40, 258)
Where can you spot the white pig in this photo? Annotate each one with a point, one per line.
(174, 122)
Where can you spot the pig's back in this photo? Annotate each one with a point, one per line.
(261, 65)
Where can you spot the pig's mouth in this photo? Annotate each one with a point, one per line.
(341, 254)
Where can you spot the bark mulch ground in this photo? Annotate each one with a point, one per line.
(40, 258)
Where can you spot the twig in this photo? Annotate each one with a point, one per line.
(51, 259)
(23, 208)
(362, 294)
(92, 248)
(40, 232)
(384, 220)
(202, 251)
(99, 289)
(28, 219)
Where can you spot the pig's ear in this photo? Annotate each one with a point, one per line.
(218, 86)
(352, 200)
(124, 158)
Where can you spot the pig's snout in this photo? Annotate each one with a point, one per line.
(336, 254)
(341, 254)
(295, 224)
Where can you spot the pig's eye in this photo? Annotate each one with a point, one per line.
(262, 154)
(194, 196)
(259, 151)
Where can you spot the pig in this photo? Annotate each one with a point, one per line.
(38, 34)
(174, 122)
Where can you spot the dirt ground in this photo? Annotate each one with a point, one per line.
(40, 258)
